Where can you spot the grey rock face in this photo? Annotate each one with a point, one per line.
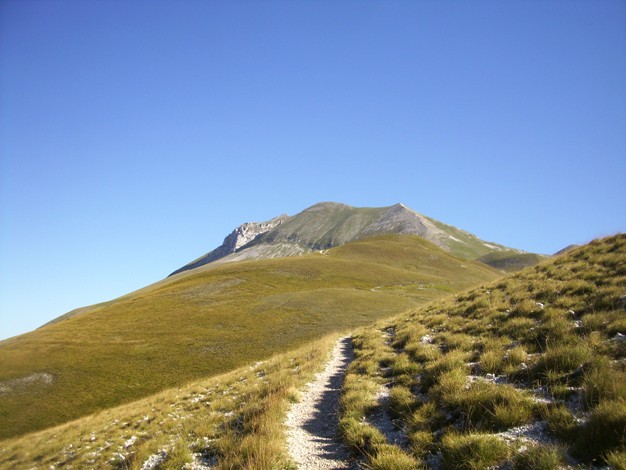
(237, 239)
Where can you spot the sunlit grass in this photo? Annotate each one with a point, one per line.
(215, 319)
(232, 421)
(541, 349)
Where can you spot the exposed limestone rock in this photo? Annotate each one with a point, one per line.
(238, 238)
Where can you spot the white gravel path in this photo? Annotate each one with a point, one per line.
(312, 423)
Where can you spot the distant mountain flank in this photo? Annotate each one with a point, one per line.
(328, 224)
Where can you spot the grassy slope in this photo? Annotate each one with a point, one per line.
(323, 225)
(213, 320)
(468, 245)
(233, 419)
(469, 377)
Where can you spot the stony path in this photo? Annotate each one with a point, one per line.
(312, 423)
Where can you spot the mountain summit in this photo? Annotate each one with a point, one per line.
(328, 224)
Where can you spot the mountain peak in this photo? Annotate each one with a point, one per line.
(327, 205)
(329, 224)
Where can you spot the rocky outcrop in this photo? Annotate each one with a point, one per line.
(238, 238)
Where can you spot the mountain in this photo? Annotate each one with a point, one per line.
(204, 322)
(523, 372)
(328, 224)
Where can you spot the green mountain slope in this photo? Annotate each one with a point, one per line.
(503, 375)
(211, 320)
(328, 224)
(525, 372)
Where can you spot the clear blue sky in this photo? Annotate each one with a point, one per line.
(135, 135)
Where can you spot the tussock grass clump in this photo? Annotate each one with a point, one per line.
(577, 287)
(453, 361)
(358, 396)
(561, 422)
(472, 451)
(526, 308)
(362, 437)
(517, 327)
(452, 341)
(449, 386)
(516, 364)
(539, 457)
(421, 443)
(389, 457)
(491, 362)
(603, 382)
(428, 416)
(421, 352)
(403, 369)
(616, 459)
(407, 333)
(604, 432)
(488, 406)
(562, 360)
(402, 401)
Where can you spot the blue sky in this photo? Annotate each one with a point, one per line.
(135, 135)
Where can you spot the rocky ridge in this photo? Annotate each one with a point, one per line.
(237, 239)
